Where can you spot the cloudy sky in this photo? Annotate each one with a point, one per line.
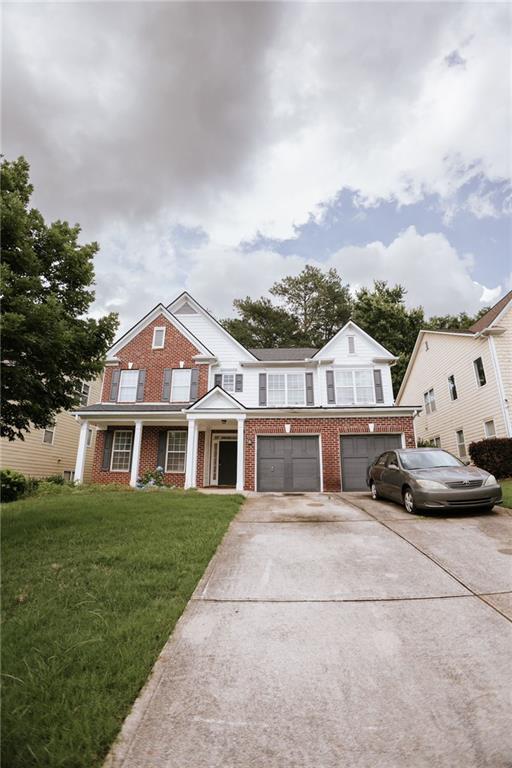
(220, 146)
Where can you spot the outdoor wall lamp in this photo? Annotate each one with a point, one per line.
(371, 427)
(287, 428)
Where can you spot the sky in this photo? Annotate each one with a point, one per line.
(217, 147)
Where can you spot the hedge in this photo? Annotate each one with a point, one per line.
(494, 455)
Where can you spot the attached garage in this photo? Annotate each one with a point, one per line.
(288, 463)
(357, 452)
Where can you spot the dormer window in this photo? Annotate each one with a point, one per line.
(351, 345)
(158, 338)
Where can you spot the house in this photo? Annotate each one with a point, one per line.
(181, 393)
(464, 380)
(53, 451)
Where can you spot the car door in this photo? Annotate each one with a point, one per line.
(392, 477)
(377, 472)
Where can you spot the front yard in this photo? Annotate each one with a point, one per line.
(506, 486)
(93, 584)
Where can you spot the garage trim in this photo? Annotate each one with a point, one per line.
(291, 434)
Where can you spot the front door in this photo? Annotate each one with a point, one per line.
(227, 462)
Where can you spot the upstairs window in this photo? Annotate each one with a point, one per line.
(158, 338)
(286, 389)
(490, 429)
(128, 386)
(452, 387)
(461, 444)
(430, 401)
(437, 442)
(180, 385)
(351, 345)
(83, 393)
(479, 372)
(228, 381)
(49, 434)
(354, 387)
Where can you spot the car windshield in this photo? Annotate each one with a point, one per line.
(428, 459)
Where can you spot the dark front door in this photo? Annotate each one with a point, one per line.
(227, 462)
(288, 463)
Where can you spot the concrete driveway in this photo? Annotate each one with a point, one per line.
(332, 631)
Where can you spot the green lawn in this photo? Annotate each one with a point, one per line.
(506, 486)
(93, 583)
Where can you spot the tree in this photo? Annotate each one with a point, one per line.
(261, 324)
(49, 345)
(319, 301)
(454, 322)
(381, 312)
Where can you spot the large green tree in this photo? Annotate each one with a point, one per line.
(381, 312)
(49, 345)
(261, 324)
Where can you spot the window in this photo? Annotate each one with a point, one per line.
(354, 387)
(176, 451)
(430, 401)
(121, 450)
(452, 387)
(437, 442)
(426, 459)
(382, 459)
(180, 385)
(49, 434)
(158, 338)
(228, 381)
(128, 386)
(479, 372)
(489, 428)
(89, 437)
(351, 345)
(83, 393)
(426, 346)
(286, 389)
(391, 460)
(461, 445)
(69, 475)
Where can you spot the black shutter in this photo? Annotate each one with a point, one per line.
(194, 384)
(162, 448)
(331, 393)
(107, 448)
(166, 388)
(140, 385)
(218, 380)
(114, 386)
(239, 382)
(310, 397)
(379, 392)
(263, 389)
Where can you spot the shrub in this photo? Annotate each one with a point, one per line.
(493, 455)
(12, 484)
(55, 479)
(47, 487)
(32, 486)
(151, 479)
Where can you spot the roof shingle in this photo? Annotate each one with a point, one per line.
(283, 353)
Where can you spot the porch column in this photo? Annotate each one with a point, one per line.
(80, 455)
(240, 453)
(137, 441)
(191, 462)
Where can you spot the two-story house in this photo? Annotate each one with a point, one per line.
(464, 381)
(179, 392)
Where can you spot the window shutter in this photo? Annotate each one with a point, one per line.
(218, 380)
(263, 389)
(310, 397)
(162, 447)
(239, 382)
(107, 448)
(379, 392)
(194, 384)
(331, 392)
(114, 386)
(166, 389)
(140, 385)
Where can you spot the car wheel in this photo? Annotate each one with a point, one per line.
(373, 491)
(409, 504)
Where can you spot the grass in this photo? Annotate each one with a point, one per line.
(92, 586)
(506, 487)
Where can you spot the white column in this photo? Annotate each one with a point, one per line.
(80, 456)
(240, 454)
(137, 442)
(191, 462)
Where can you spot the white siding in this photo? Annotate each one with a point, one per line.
(218, 342)
(503, 344)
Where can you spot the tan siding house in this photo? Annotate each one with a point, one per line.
(52, 451)
(463, 381)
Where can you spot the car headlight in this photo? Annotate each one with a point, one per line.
(491, 480)
(431, 485)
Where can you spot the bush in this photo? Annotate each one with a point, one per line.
(55, 479)
(12, 484)
(493, 455)
(32, 486)
(47, 487)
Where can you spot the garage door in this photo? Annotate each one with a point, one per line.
(288, 463)
(357, 452)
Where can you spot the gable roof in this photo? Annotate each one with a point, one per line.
(351, 324)
(488, 319)
(283, 353)
(219, 400)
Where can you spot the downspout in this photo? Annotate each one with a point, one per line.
(501, 388)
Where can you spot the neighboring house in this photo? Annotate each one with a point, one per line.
(181, 393)
(464, 381)
(53, 451)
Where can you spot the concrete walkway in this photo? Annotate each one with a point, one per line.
(337, 632)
